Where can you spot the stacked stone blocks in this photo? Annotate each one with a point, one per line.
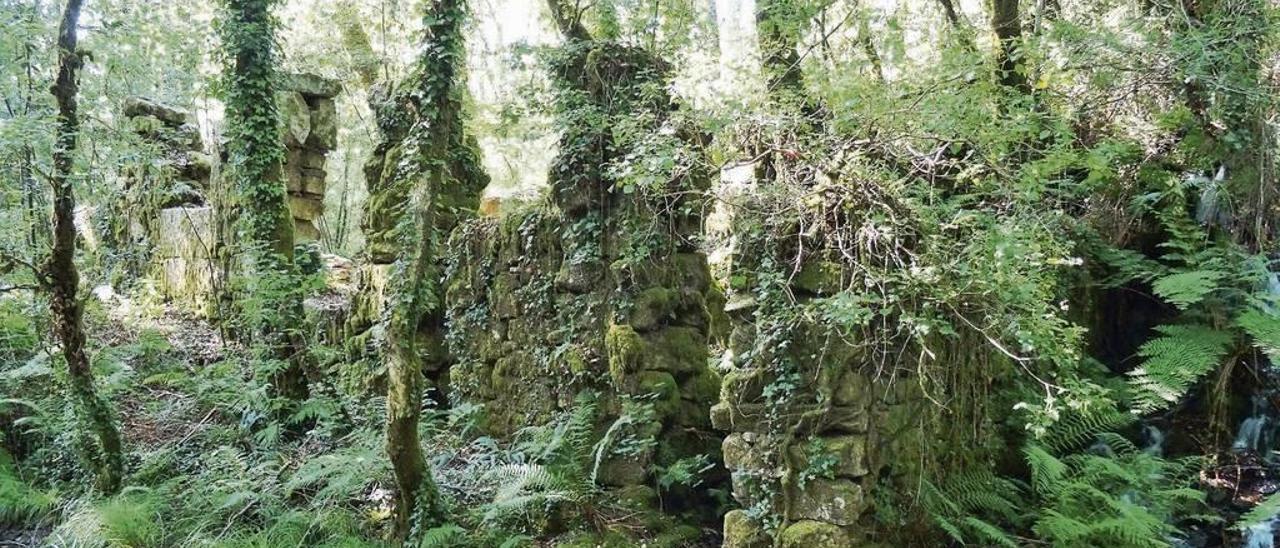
(310, 131)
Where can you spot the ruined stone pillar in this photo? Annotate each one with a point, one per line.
(813, 428)
(309, 117)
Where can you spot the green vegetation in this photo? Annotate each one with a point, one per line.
(804, 273)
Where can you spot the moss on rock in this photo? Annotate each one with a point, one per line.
(812, 534)
(625, 348)
(740, 531)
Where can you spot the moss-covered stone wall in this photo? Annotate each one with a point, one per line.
(815, 431)
(162, 224)
(553, 300)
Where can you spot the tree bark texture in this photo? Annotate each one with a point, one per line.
(103, 450)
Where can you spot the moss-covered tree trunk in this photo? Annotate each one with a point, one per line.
(256, 153)
(439, 168)
(778, 27)
(364, 61)
(103, 451)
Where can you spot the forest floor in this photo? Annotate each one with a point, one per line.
(206, 468)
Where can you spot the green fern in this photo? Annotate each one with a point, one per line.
(1264, 511)
(1264, 329)
(342, 475)
(1126, 498)
(1078, 428)
(968, 505)
(1173, 362)
(1047, 471)
(557, 471)
(19, 503)
(1184, 289)
(449, 535)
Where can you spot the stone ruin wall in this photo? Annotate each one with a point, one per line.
(168, 206)
(523, 314)
(536, 314)
(171, 204)
(805, 468)
(528, 343)
(545, 304)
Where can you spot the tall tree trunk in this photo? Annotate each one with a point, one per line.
(869, 48)
(437, 163)
(255, 163)
(1007, 25)
(957, 24)
(105, 451)
(778, 27)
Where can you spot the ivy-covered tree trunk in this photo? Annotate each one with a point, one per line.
(439, 168)
(256, 153)
(103, 451)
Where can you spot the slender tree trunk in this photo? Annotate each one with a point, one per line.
(439, 137)
(949, 9)
(778, 35)
(869, 48)
(1007, 25)
(958, 26)
(105, 455)
(255, 165)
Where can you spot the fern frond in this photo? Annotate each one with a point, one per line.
(448, 535)
(1264, 329)
(1047, 472)
(1118, 444)
(990, 532)
(1078, 428)
(1184, 289)
(950, 528)
(1174, 361)
(1263, 512)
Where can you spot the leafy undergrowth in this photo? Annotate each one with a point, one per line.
(212, 463)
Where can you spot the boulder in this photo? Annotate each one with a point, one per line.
(307, 209)
(812, 534)
(742, 452)
(296, 117)
(143, 106)
(848, 451)
(324, 125)
(819, 278)
(680, 350)
(310, 85)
